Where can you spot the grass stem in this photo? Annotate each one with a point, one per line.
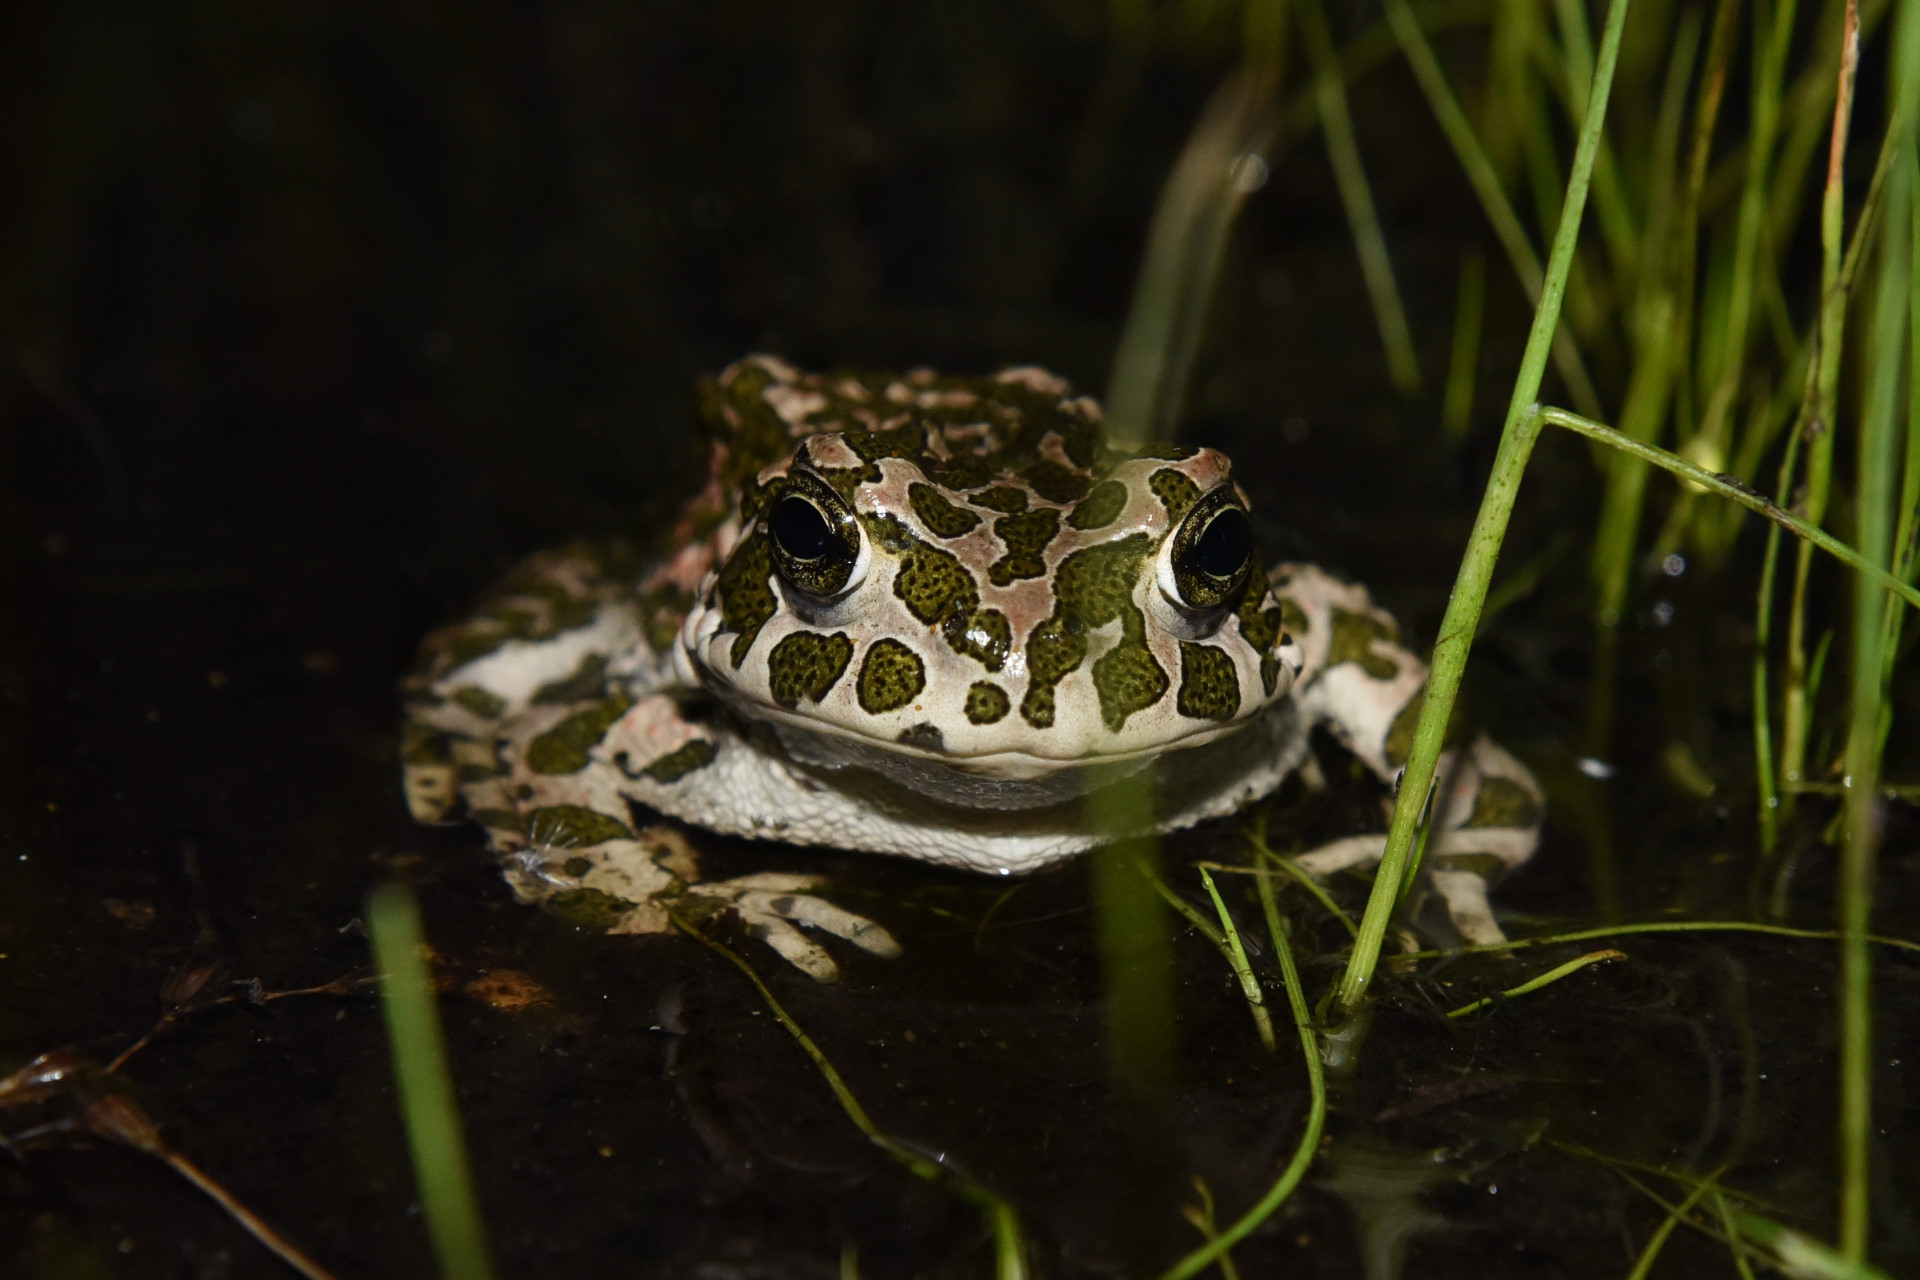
(1002, 1219)
(1303, 1155)
(1485, 180)
(1464, 362)
(1198, 205)
(441, 1171)
(1733, 491)
(1657, 926)
(1818, 418)
(1343, 150)
(1873, 516)
(1517, 438)
(1655, 1243)
(1237, 956)
(1566, 970)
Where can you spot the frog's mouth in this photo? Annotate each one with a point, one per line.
(917, 761)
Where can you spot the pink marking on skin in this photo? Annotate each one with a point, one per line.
(1036, 379)
(826, 451)
(794, 404)
(651, 728)
(685, 570)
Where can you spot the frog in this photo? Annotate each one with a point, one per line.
(924, 615)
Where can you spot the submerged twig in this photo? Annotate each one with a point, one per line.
(103, 1111)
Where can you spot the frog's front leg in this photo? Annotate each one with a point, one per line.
(540, 715)
(1368, 688)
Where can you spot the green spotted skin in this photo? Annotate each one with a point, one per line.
(891, 677)
(916, 614)
(681, 761)
(986, 702)
(567, 747)
(1009, 606)
(1101, 507)
(939, 515)
(1175, 491)
(806, 664)
(1209, 686)
(1025, 537)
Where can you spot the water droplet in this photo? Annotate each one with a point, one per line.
(1249, 172)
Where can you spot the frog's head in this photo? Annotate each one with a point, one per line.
(962, 618)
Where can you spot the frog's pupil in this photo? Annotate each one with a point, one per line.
(1224, 548)
(800, 529)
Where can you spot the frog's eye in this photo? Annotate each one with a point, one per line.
(1212, 551)
(815, 538)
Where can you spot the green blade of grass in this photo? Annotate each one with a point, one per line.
(1733, 492)
(1802, 1256)
(1464, 361)
(1763, 763)
(441, 1172)
(1493, 197)
(1656, 1242)
(1207, 1254)
(1823, 400)
(1566, 970)
(1724, 1212)
(1136, 969)
(1663, 333)
(1873, 517)
(1198, 204)
(1363, 54)
(1773, 28)
(1659, 926)
(1242, 970)
(1002, 1219)
(1517, 437)
(1343, 150)
(1906, 536)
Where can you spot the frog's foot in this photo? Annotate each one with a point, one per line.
(1489, 824)
(639, 884)
(771, 903)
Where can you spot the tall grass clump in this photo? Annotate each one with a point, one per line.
(1697, 134)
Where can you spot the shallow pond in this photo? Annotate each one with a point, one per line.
(321, 318)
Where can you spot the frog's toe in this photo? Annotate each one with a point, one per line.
(1465, 893)
(431, 792)
(1340, 855)
(764, 882)
(791, 945)
(824, 916)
